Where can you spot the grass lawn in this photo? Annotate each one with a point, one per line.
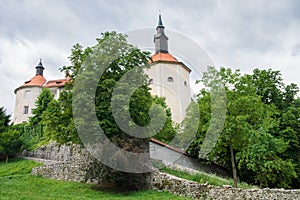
(205, 178)
(17, 183)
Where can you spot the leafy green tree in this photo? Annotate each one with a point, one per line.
(110, 88)
(4, 120)
(58, 122)
(10, 143)
(270, 86)
(126, 61)
(262, 158)
(78, 56)
(41, 105)
(56, 116)
(246, 116)
(169, 130)
(31, 136)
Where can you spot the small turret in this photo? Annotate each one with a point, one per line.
(40, 68)
(160, 38)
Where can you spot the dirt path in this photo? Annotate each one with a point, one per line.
(40, 160)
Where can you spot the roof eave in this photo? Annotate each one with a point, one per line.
(171, 62)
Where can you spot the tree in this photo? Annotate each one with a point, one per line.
(247, 117)
(262, 156)
(123, 84)
(9, 139)
(270, 86)
(58, 122)
(10, 143)
(127, 60)
(4, 120)
(168, 132)
(41, 105)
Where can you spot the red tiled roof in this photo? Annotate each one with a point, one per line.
(169, 146)
(166, 57)
(163, 57)
(38, 80)
(57, 83)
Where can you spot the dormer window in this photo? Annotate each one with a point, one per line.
(170, 79)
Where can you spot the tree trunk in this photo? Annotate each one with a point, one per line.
(6, 158)
(234, 171)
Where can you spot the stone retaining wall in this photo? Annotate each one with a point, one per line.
(175, 185)
(74, 161)
(56, 152)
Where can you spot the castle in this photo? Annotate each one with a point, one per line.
(168, 78)
(27, 94)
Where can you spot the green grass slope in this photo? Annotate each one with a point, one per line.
(17, 183)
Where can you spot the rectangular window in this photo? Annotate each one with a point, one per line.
(27, 94)
(26, 109)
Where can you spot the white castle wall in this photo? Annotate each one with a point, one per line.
(177, 93)
(21, 101)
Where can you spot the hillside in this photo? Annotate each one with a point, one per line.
(18, 183)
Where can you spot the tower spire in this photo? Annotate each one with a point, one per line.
(40, 68)
(160, 38)
(160, 21)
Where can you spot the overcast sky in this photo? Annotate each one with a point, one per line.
(239, 34)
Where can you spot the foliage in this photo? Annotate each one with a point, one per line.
(41, 105)
(123, 83)
(249, 143)
(4, 120)
(115, 58)
(58, 122)
(169, 130)
(55, 117)
(31, 136)
(270, 86)
(10, 142)
(262, 157)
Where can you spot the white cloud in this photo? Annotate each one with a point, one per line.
(18, 60)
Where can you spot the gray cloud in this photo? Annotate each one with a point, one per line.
(242, 34)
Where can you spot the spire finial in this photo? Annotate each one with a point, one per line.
(160, 24)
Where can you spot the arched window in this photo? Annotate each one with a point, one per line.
(151, 81)
(185, 83)
(170, 79)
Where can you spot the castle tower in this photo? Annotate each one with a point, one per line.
(169, 77)
(26, 95)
